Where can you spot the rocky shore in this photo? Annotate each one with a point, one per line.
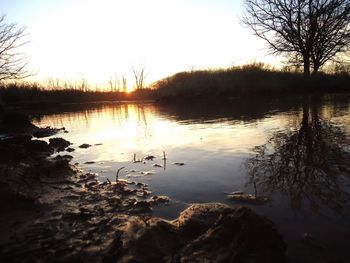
(54, 212)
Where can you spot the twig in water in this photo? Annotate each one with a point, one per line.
(116, 176)
(164, 159)
(136, 161)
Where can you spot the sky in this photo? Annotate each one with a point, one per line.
(98, 40)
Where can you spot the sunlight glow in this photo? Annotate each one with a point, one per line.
(94, 40)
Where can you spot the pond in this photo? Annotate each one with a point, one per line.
(292, 157)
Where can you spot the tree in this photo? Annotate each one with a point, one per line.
(125, 87)
(309, 31)
(12, 62)
(140, 75)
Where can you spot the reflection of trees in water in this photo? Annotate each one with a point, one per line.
(309, 165)
(142, 122)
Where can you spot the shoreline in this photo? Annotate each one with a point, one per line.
(66, 214)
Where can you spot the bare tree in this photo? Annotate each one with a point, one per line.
(314, 31)
(114, 83)
(12, 62)
(140, 75)
(125, 88)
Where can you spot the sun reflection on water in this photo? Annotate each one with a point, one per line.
(128, 128)
(225, 149)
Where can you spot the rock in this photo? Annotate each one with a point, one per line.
(238, 235)
(197, 219)
(13, 149)
(149, 158)
(38, 146)
(84, 146)
(66, 157)
(91, 183)
(15, 123)
(62, 161)
(45, 132)
(203, 233)
(158, 199)
(21, 147)
(249, 198)
(179, 164)
(69, 149)
(146, 172)
(90, 162)
(154, 240)
(59, 143)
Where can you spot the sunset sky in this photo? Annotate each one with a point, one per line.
(98, 39)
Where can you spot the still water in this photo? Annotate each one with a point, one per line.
(294, 153)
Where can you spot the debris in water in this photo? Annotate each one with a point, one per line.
(179, 164)
(90, 162)
(147, 173)
(84, 146)
(149, 158)
(242, 197)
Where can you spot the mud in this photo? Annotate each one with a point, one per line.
(54, 212)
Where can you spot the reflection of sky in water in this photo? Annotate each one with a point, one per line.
(130, 128)
(214, 150)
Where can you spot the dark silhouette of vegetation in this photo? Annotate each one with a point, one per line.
(140, 75)
(35, 95)
(249, 80)
(309, 164)
(12, 62)
(310, 32)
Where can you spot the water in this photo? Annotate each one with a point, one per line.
(295, 153)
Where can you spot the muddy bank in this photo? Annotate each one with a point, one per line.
(17, 124)
(53, 212)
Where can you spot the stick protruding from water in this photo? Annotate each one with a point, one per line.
(116, 176)
(164, 160)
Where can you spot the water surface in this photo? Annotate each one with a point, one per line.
(293, 152)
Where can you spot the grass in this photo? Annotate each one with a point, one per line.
(245, 81)
(34, 95)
